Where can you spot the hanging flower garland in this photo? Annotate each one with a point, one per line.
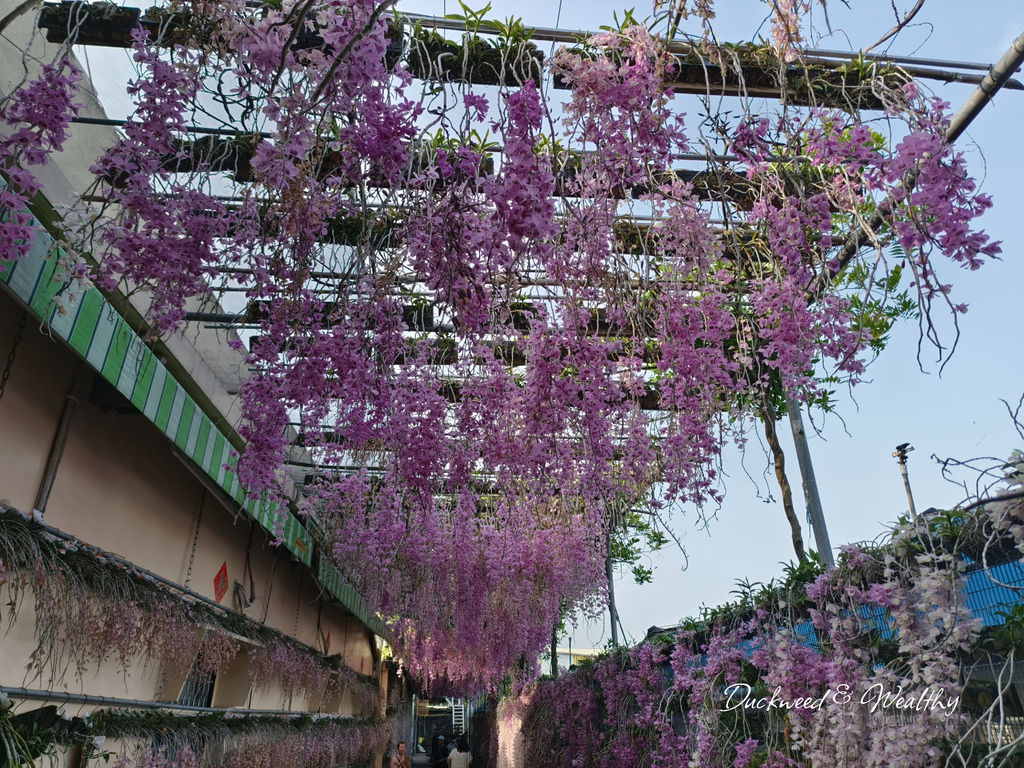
(91, 609)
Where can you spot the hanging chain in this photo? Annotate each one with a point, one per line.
(14, 351)
(195, 540)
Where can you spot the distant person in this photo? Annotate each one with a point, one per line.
(461, 757)
(401, 760)
(439, 755)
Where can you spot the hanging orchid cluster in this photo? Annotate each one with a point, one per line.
(487, 362)
(38, 114)
(169, 741)
(857, 666)
(90, 611)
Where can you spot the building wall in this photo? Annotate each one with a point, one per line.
(202, 353)
(120, 487)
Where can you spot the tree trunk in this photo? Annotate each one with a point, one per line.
(779, 460)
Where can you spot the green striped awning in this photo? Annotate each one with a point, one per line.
(332, 580)
(95, 330)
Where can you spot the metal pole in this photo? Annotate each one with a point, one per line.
(611, 593)
(67, 697)
(554, 652)
(814, 510)
(414, 727)
(901, 457)
(60, 441)
(982, 95)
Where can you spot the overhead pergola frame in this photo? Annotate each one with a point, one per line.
(750, 74)
(352, 294)
(752, 71)
(374, 226)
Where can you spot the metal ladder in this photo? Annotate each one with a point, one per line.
(458, 715)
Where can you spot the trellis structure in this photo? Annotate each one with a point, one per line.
(366, 248)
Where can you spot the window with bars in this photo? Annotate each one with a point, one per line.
(198, 688)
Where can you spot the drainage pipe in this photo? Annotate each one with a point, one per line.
(66, 697)
(60, 441)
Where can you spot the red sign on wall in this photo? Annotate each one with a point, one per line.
(220, 582)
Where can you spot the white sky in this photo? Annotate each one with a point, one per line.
(957, 414)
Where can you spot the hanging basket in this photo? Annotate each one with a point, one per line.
(102, 24)
(432, 57)
(395, 35)
(213, 154)
(511, 67)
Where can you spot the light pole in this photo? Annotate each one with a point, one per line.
(901, 458)
(803, 456)
(613, 614)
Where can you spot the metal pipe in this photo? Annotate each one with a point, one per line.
(414, 727)
(187, 128)
(803, 456)
(613, 614)
(219, 317)
(60, 441)
(982, 95)
(67, 697)
(558, 35)
(697, 156)
(921, 67)
(554, 651)
(943, 75)
(901, 457)
(885, 57)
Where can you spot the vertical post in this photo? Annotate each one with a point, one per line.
(60, 441)
(554, 651)
(814, 510)
(901, 458)
(413, 734)
(611, 593)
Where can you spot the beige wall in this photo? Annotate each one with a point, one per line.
(31, 406)
(119, 487)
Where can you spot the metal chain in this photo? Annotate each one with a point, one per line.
(14, 351)
(195, 539)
